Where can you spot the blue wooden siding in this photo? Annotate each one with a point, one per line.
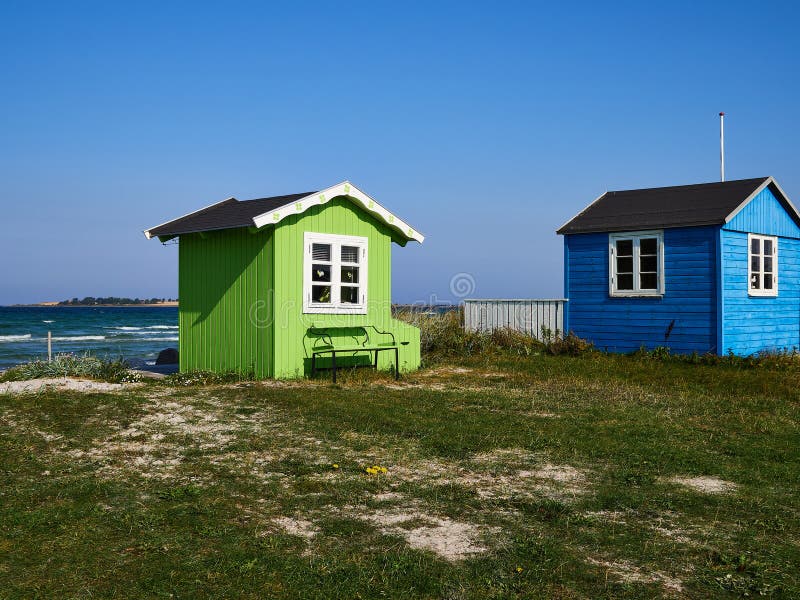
(764, 214)
(750, 323)
(627, 324)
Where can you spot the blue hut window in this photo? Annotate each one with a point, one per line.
(762, 267)
(636, 263)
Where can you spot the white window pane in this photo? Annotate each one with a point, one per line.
(320, 273)
(350, 254)
(755, 282)
(624, 264)
(349, 275)
(649, 264)
(767, 247)
(648, 246)
(624, 247)
(321, 252)
(768, 281)
(349, 295)
(768, 264)
(321, 294)
(625, 282)
(755, 264)
(755, 246)
(648, 281)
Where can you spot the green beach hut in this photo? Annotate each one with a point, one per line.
(286, 285)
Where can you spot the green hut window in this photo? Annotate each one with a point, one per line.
(335, 274)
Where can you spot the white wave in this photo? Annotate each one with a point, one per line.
(161, 339)
(79, 338)
(48, 321)
(15, 338)
(138, 336)
(143, 330)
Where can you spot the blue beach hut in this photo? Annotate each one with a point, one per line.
(713, 267)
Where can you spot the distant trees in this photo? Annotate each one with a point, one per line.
(113, 300)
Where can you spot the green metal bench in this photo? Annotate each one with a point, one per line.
(323, 345)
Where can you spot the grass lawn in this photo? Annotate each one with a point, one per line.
(542, 476)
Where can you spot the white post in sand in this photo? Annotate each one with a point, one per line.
(49, 346)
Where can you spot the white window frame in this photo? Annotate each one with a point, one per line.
(335, 306)
(762, 292)
(634, 236)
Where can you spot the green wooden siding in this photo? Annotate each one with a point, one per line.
(241, 295)
(225, 314)
(338, 216)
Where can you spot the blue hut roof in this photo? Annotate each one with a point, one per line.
(675, 206)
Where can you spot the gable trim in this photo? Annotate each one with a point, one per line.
(560, 230)
(349, 191)
(781, 197)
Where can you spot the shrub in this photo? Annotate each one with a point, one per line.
(444, 335)
(570, 345)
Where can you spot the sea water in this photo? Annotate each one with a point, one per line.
(135, 334)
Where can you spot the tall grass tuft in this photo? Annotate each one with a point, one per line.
(70, 365)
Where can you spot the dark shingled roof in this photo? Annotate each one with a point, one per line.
(224, 215)
(676, 206)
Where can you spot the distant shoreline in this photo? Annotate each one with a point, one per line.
(56, 305)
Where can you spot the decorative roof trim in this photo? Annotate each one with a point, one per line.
(349, 191)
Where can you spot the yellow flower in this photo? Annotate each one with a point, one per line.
(519, 569)
(335, 466)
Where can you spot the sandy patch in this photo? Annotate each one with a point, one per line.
(436, 387)
(449, 539)
(445, 371)
(669, 524)
(299, 527)
(610, 516)
(32, 386)
(705, 485)
(508, 472)
(630, 573)
(504, 456)
(154, 445)
(563, 474)
(387, 497)
(500, 474)
(454, 372)
(557, 482)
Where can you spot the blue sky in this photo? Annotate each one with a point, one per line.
(484, 125)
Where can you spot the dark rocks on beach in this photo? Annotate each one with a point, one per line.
(168, 356)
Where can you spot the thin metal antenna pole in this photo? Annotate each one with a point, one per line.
(722, 146)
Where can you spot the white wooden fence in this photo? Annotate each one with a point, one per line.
(527, 316)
